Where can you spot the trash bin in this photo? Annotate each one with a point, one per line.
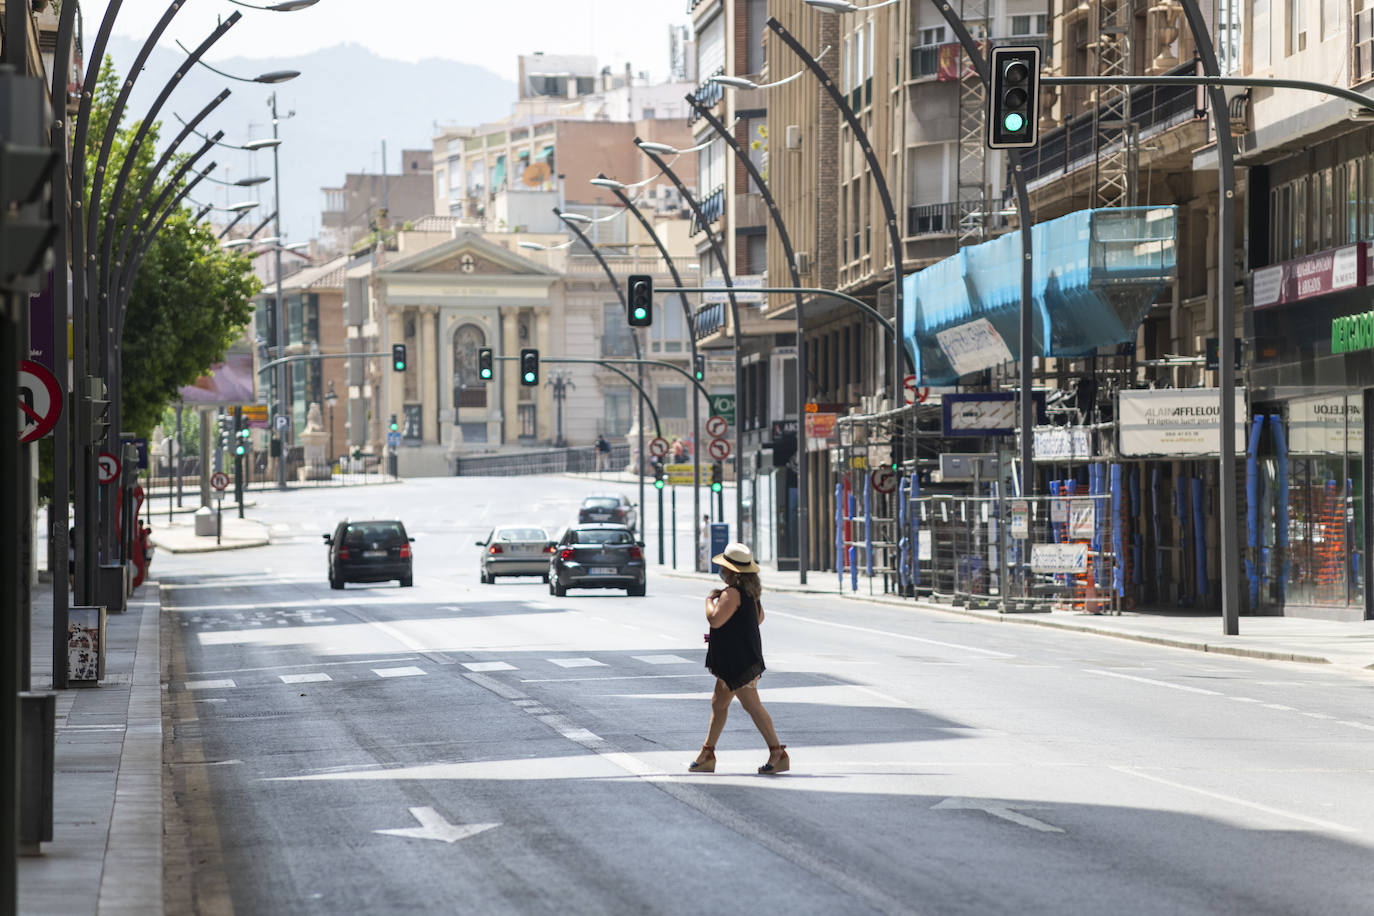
(86, 645)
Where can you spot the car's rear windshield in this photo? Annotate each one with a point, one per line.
(601, 502)
(520, 534)
(381, 532)
(601, 536)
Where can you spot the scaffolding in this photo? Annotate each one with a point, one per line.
(1114, 169)
(972, 173)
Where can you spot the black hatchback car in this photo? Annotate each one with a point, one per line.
(597, 556)
(612, 508)
(371, 551)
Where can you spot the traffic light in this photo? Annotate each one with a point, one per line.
(641, 300)
(27, 231)
(658, 472)
(393, 426)
(241, 445)
(97, 405)
(1014, 97)
(700, 367)
(398, 357)
(484, 363)
(529, 367)
(717, 473)
(225, 425)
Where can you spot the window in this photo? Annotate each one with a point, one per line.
(758, 254)
(1352, 201)
(1297, 27)
(1259, 34)
(1228, 35)
(1028, 25)
(649, 114)
(1368, 198)
(758, 15)
(1332, 22)
(1326, 211)
(615, 331)
(618, 411)
(667, 333)
(672, 402)
(711, 47)
(413, 424)
(1299, 217)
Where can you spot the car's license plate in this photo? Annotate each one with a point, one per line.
(370, 554)
(604, 570)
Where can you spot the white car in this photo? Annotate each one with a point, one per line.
(515, 551)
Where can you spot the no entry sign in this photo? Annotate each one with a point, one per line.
(40, 401)
(219, 480)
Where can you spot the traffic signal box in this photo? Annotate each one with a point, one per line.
(641, 302)
(241, 446)
(529, 367)
(657, 463)
(484, 364)
(1013, 116)
(26, 227)
(717, 477)
(393, 426)
(398, 357)
(699, 367)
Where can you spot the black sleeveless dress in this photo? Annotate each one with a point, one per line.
(735, 652)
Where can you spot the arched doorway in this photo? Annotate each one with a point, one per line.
(469, 391)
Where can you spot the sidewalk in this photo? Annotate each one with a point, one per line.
(1348, 644)
(180, 536)
(106, 851)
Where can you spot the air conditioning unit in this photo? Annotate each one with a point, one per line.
(803, 262)
(793, 136)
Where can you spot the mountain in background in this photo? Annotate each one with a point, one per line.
(347, 102)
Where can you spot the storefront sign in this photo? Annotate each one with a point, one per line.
(1020, 519)
(973, 347)
(1314, 275)
(1062, 443)
(1325, 426)
(1059, 558)
(1176, 421)
(1352, 333)
(746, 291)
(821, 426)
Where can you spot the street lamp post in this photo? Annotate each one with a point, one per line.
(283, 371)
(652, 150)
(618, 189)
(330, 399)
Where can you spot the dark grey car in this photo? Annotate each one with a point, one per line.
(597, 556)
(369, 551)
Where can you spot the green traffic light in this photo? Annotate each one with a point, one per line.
(658, 485)
(639, 314)
(716, 488)
(529, 377)
(486, 373)
(1013, 122)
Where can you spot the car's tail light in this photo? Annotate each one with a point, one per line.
(548, 548)
(405, 551)
(567, 553)
(343, 553)
(636, 553)
(619, 514)
(494, 548)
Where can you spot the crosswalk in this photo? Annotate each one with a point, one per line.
(257, 679)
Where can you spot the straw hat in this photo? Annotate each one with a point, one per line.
(736, 557)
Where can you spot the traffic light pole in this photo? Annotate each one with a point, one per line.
(605, 363)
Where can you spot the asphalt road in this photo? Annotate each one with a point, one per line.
(461, 748)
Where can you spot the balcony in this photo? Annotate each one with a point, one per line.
(943, 218)
(1153, 109)
(712, 208)
(943, 60)
(707, 94)
(750, 210)
(583, 265)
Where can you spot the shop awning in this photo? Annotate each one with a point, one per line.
(498, 174)
(1096, 274)
(546, 153)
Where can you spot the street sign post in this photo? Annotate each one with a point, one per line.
(884, 480)
(219, 480)
(679, 475)
(107, 468)
(716, 426)
(40, 401)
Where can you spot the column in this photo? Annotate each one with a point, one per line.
(509, 345)
(426, 363)
(544, 419)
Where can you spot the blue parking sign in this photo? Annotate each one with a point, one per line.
(142, 446)
(720, 536)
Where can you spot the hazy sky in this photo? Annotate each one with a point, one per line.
(488, 34)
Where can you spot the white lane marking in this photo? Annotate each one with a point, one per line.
(495, 686)
(219, 684)
(661, 659)
(313, 677)
(1365, 725)
(577, 663)
(489, 666)
(1279, 707)
(90, 728)
(1301, 818)
(879, 694)
(358, 661)
(628, 677)
(434, 826)
(1001, 809)
(409, 671)
(525, 702)
(1318, 715)
(1243, 699)
(1146, 680)
(448, 607)
(572, 732)
(930, 642)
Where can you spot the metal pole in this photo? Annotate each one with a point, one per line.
(738, 330)
(283, 370)
(692, 339)
(803, 493)
(660, 522)
(1226, 320)
(674, 505)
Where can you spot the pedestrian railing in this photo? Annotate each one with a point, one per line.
(581, 460)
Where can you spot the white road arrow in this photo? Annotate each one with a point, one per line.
(996, 809)
(434, 826)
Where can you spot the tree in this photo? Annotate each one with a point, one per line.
(191, 298)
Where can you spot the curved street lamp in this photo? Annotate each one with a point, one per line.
(844, 6)
(251, 182)
(271, 77)
(286, 6)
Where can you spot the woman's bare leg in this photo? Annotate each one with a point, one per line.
(720, 709)
(749, 699)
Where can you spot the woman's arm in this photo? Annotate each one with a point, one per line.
(722, 608)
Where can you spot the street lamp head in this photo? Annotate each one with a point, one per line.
(533, 246)
(268, 143)
(663, 149)
(238, 243)
(277, 76)
(574, 217)
(242, 207)
(290, 6)
(297, 246)
(609, 183)
(252, 182)
(832, 6)
(735, 82)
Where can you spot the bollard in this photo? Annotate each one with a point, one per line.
(38, 730)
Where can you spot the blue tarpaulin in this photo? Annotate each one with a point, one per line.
(1095, 275)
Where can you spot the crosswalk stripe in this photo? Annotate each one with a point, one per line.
(488, 666)
(662, 659)
(577, 663)
(210, 685)
(304, 678)
(409, 671)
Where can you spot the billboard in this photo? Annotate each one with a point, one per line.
(227, 384)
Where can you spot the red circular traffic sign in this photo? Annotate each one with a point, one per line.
(719, 449)
(912, 394)
(40, 401)
(884, 480)
(106, 468)
(659, 447)
(219, 480)
(716, 426)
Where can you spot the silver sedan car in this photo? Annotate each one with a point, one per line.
(515, 551)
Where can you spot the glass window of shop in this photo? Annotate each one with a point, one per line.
(1325, 495)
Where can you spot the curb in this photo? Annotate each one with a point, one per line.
(1239, 651)
(214, 548)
